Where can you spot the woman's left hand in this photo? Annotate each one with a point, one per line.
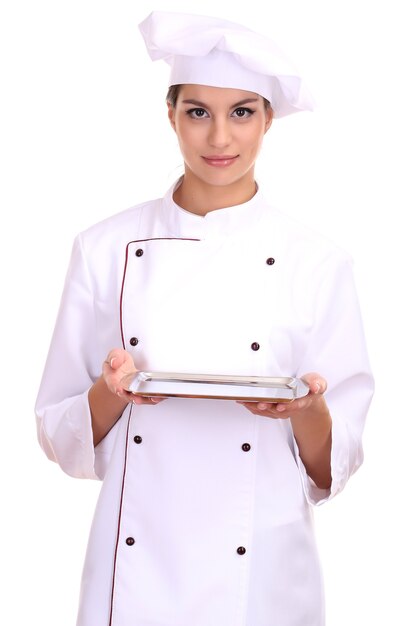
(312, 402)
(311, 424)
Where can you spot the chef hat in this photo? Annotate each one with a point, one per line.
(209, 51)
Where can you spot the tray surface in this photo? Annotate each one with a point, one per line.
(216, 386)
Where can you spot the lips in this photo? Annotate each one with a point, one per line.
(223, 160)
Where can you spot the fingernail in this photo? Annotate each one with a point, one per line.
(280, 407)
(318, 387)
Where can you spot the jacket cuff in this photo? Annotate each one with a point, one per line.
(345, 460)
(70, 443)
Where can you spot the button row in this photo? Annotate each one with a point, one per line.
(270, 260)
(245, 446)
(130, 541)
(134, 342)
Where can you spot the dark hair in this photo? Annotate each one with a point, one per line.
(172, 95)
(174, 90)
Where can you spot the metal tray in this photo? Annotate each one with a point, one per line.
(222, 387)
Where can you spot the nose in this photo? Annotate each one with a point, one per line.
(220, 133)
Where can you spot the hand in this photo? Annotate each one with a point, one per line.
(119, 363)
(312, 402)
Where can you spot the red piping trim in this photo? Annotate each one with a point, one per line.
(130, 412)
(121, 298)
(125, 270)
(120, 518)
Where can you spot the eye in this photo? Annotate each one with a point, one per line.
(197, 113)
(243, 112)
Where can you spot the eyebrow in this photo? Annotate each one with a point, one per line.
(237, 104)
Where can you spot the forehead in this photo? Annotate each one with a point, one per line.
(218, 95)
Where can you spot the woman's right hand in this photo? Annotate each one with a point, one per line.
(119, 363)
(107, 398)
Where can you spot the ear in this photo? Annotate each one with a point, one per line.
(268, 118)
(171, 115)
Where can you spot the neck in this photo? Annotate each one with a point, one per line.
(200, 198)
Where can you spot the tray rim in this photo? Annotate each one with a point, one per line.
(131, 383)
(275, 382)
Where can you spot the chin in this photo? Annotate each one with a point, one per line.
(221, 179)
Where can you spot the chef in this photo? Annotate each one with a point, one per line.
(205, 513)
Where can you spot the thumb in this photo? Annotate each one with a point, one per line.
(316, 383)
(118, 357)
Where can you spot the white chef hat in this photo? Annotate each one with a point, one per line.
(209, 51)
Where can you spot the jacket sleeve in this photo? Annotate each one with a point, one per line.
(336, 350)
(73, 364)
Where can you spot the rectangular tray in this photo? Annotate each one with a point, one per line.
(216, 386)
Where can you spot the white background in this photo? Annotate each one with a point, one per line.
(84, 135)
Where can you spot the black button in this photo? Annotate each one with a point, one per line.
(139, 252)
(134, 341)
(130, 541)
(241, 550)
(246, 447)
(137, 439)
(255, 346)
(270, 261)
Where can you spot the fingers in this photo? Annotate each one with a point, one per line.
(268, 409)
(118, 357)
(117, 365)
(143, 400)
(316, 383)
(317, 386)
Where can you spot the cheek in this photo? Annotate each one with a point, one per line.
(254, 142)
(188, 139)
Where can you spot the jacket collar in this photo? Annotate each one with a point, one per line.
(219, 223)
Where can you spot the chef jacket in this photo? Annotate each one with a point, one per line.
(205, 513)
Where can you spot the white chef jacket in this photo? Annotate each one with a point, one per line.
(204, 517)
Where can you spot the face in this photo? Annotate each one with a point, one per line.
(220, 132)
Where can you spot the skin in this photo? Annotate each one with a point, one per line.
(211, 123)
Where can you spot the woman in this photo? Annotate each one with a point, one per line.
(204, 516)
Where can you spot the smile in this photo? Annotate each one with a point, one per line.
(223, 160)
